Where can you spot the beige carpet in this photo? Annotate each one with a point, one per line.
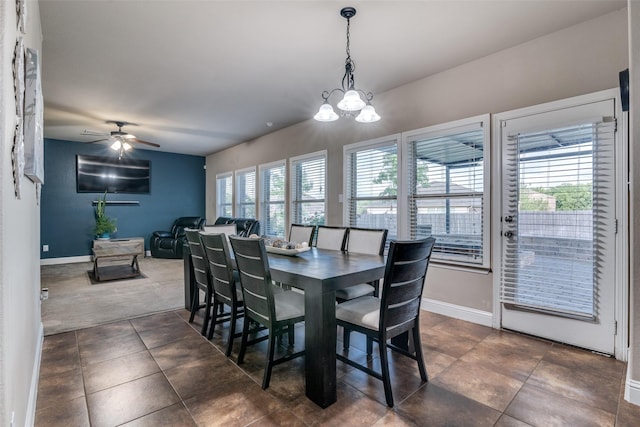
(75, 303)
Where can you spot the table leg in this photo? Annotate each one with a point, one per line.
(320, 345)
(95, 268)
(134, 264)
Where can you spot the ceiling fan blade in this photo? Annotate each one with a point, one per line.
(153, 144)
(97, 140)
(94, 133)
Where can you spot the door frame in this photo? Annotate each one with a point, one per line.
(622, 205)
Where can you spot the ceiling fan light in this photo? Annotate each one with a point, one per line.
(351, 101)
(126, 146)
(326, 113)
(368, 115)
(116, 145)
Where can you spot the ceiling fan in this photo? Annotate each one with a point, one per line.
(121, 140)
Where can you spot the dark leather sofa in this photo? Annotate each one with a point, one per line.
(244, 226)
(168, 244)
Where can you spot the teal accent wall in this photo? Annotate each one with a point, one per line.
(67, 217)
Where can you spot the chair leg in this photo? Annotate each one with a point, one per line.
(232, 331)
(346, 338)
(194, 304)
(245, 335)
(384, 364)
(369, 346)
(207, 314)
(270, 352)
(419, 358)
(291, 334)
(214, 317)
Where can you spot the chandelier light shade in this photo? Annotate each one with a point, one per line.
(355, 102)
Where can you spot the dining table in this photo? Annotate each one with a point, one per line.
(319, 273)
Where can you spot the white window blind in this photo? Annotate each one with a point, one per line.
(446, 183)
(371, 186)
(563, 207)
(308, 183)
(272, 198)
(224, 194)
(246, 193)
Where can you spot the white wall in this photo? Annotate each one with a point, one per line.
(20, 325)
(581, 59)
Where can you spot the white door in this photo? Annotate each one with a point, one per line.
(558, 225)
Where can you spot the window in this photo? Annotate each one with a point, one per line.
(308, 183)
(371, 185)
(272, 199)
(224, 194)
(246, 193)
(447, 183)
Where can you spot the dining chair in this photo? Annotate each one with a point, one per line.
(301, 233)
(363, 241)
(226, 285)
(201, 276)
(396, 312)
(277, 311)
(331, 237)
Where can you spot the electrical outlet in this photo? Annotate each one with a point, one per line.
(45, 248)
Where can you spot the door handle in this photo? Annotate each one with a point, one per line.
(508, 234)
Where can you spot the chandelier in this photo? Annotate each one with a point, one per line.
(351, 102)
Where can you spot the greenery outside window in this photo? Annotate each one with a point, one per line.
(246, 193)
(272, 198)
(308, 184)
(224, 194)
(447, 182)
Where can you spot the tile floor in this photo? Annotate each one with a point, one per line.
(158, 371)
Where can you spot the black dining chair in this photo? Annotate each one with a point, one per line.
(396, 312)
(226, 285)
(363, 241)
(331, 237)
(277, 311)
(201, 276)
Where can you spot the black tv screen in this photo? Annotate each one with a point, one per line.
(99, 174)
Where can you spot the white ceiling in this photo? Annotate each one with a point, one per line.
(200, 76)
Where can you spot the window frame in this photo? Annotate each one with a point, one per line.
(293, 200)
(219, 203)
(263, 203)
(440, 130)
(238, 205)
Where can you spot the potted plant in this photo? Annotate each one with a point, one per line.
(104, 225)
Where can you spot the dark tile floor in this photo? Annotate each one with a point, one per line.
(158, 371)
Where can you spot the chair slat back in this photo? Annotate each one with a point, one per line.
(405, 272)
(198, 257)
(301, 233)
(367, 240)
(255, 278)
(220, 266)
(334, 238)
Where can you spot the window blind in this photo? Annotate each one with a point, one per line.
(446, 185)
(272, 180)
(246, 193)
(224, 195)
(371, 190)
(308, 178)
(563, 217)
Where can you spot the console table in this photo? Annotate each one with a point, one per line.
(113, 252)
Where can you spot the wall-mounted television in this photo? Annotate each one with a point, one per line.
(99, 174)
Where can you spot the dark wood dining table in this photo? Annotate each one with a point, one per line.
(320, 272)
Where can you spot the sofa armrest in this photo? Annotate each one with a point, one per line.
(161, 234)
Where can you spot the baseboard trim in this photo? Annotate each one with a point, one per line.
(35, 376)
(65, 260)
(468, 314)
(631, 387)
